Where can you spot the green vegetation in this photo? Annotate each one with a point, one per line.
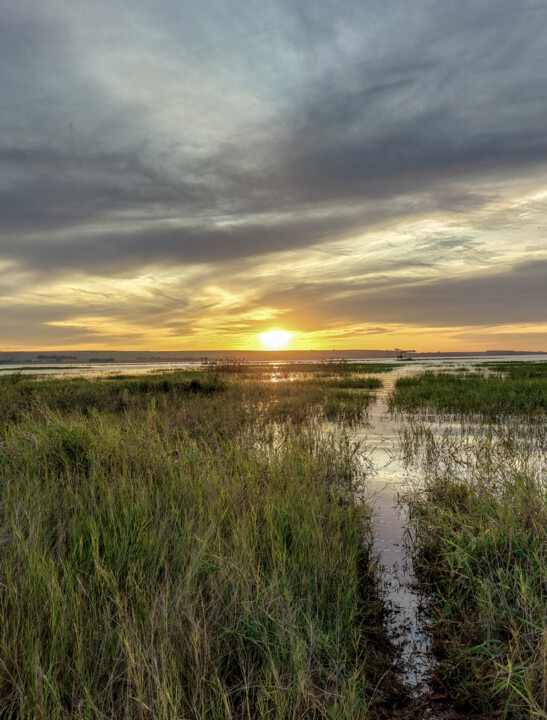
(184, 545)
(187, 544)
(519, 369)
(474, 393)
(295, 401)
(362, 367)
(264, 401)
(479, 538)
(21, 394)
(334, 368)
(478, 531)
(354, 383)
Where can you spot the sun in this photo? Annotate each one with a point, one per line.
(275, 339)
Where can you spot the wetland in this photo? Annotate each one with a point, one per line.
(323, 540)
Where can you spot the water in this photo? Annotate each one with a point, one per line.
(390, 479)
(137, 368)
(94, 369)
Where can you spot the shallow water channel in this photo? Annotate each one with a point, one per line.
(388, 480)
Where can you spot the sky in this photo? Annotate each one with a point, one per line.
(189, 174)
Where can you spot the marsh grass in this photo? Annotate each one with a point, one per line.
(358, 367)
(317, 397)
(518, 369)
(473, 393)
(295, 401)
(478, 533)
(20, 394)
(355, 383)
(165, 555)
(334, 368)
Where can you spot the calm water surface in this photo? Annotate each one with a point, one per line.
(390, 479)
(98, 369)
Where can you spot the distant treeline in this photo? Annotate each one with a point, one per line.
(57, 358)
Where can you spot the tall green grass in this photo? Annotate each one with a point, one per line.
(356, 383)
(20, 394)
(473, 393)
(341, 367)
(341, 399)
(479, 538)
(518, 369)
(170, 549)
(260, 399)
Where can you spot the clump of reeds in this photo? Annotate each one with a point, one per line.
(332, 368)
(518, 369)
(355, 383)
(479, 538)
(473, 393)
(166, 555)
(345, 400)
(21, 394)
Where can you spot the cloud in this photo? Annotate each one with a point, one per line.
(445, 99)
(294, 135)
(518, 295)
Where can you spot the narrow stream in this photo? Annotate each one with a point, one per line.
(389, 478)
(406, 624)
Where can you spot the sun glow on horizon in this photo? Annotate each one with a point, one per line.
(275, 339)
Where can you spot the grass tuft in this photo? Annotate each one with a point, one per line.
(479, 537)
(473, 393)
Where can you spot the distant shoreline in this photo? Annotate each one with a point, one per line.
(98, 357)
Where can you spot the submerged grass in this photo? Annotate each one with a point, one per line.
(479, 539)
(473, 393)
(175, 547)
(295, 401)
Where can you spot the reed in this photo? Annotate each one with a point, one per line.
(491, 395)
(478, 534)
(174, 547)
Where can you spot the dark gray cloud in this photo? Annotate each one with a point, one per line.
(413, 98)
(54, 190)
(515, 296)
(120, 254)
(449, 90)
